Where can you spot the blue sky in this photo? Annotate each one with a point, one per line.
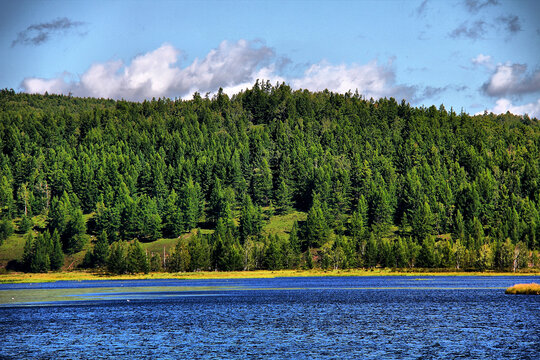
(474, 55)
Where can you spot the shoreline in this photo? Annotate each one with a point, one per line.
(16, 277)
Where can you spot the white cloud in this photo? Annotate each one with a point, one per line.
(371, 80)
(232, 66)
(483, 60)
(157, 74)
(54, 86)
(503, 105)
(512, 79)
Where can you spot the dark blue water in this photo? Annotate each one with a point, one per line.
(291, 318)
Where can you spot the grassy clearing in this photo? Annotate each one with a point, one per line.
(94, 275)
(282, 224)
(12, 249)
(524, 289)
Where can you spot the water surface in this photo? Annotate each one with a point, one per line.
(296, 318)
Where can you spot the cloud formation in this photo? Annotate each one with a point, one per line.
(512, 79)
(482, 60)
(474, 31)
(511, 23)
(422, 8)
(475, 6)
(38, 34)
(433, 91)
(234, 66)
(504, 105)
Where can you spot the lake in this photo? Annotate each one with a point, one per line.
(292, 318)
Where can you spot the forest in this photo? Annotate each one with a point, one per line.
(372, 183)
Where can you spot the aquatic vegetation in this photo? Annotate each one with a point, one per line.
(18, 277)
(524, 289)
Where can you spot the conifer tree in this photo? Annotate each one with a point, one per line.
(172, 217)
(359, 220)
(250, 219)
(283, 197)
(101, 250)
(56, 255)
(317, 228)
(28, 251)
(6, 229)
(371, 252)
(422, 221)
(6, 198)
(116, 263)
(25, 224)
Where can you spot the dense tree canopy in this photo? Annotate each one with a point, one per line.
(382, 183)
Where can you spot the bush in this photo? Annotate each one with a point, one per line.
(6, 229)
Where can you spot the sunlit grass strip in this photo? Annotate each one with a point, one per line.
(524, 289)
(89, 275)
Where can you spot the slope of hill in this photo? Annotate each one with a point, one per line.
(274, 178)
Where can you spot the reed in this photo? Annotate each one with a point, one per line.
(524, 289)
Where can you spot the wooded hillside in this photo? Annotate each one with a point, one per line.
(382, 183)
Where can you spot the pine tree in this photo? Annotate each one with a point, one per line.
(191, 204)
(283, 197)
(40, 261)
(28, 251)
(427, 256)
(261, 184)
(56, 255)
(6, 198)
(422, 221)
(101, 250)
(172, 218)
(459, 226)
(6, 229)
(116, 263)
(200, 253)
(371, 251)
(25, 224)
(317, 228)
(136, 260)
(273, 255)
(180, 260)
(250, 220)
(75, 234)
(294, 238)
(359, 218)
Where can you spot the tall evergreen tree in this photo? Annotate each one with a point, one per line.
(56, 256)
(101, 250)
(317, 228)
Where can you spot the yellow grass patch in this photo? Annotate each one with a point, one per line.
(524, 289)
(14, 277)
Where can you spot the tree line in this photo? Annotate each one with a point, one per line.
(382, 183)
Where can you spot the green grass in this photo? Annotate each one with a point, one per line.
(157, 246)
(11, 249)
(282, 224)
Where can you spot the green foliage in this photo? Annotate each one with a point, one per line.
(6, 229)
(136, 260)
(250, 219)
(25, 224)
(359, 220)
(117, 261)
(101, 250)
(317, 229)
(391, 182)
(172, 219)
(156, 264)
(56, 256)
(6, 198)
